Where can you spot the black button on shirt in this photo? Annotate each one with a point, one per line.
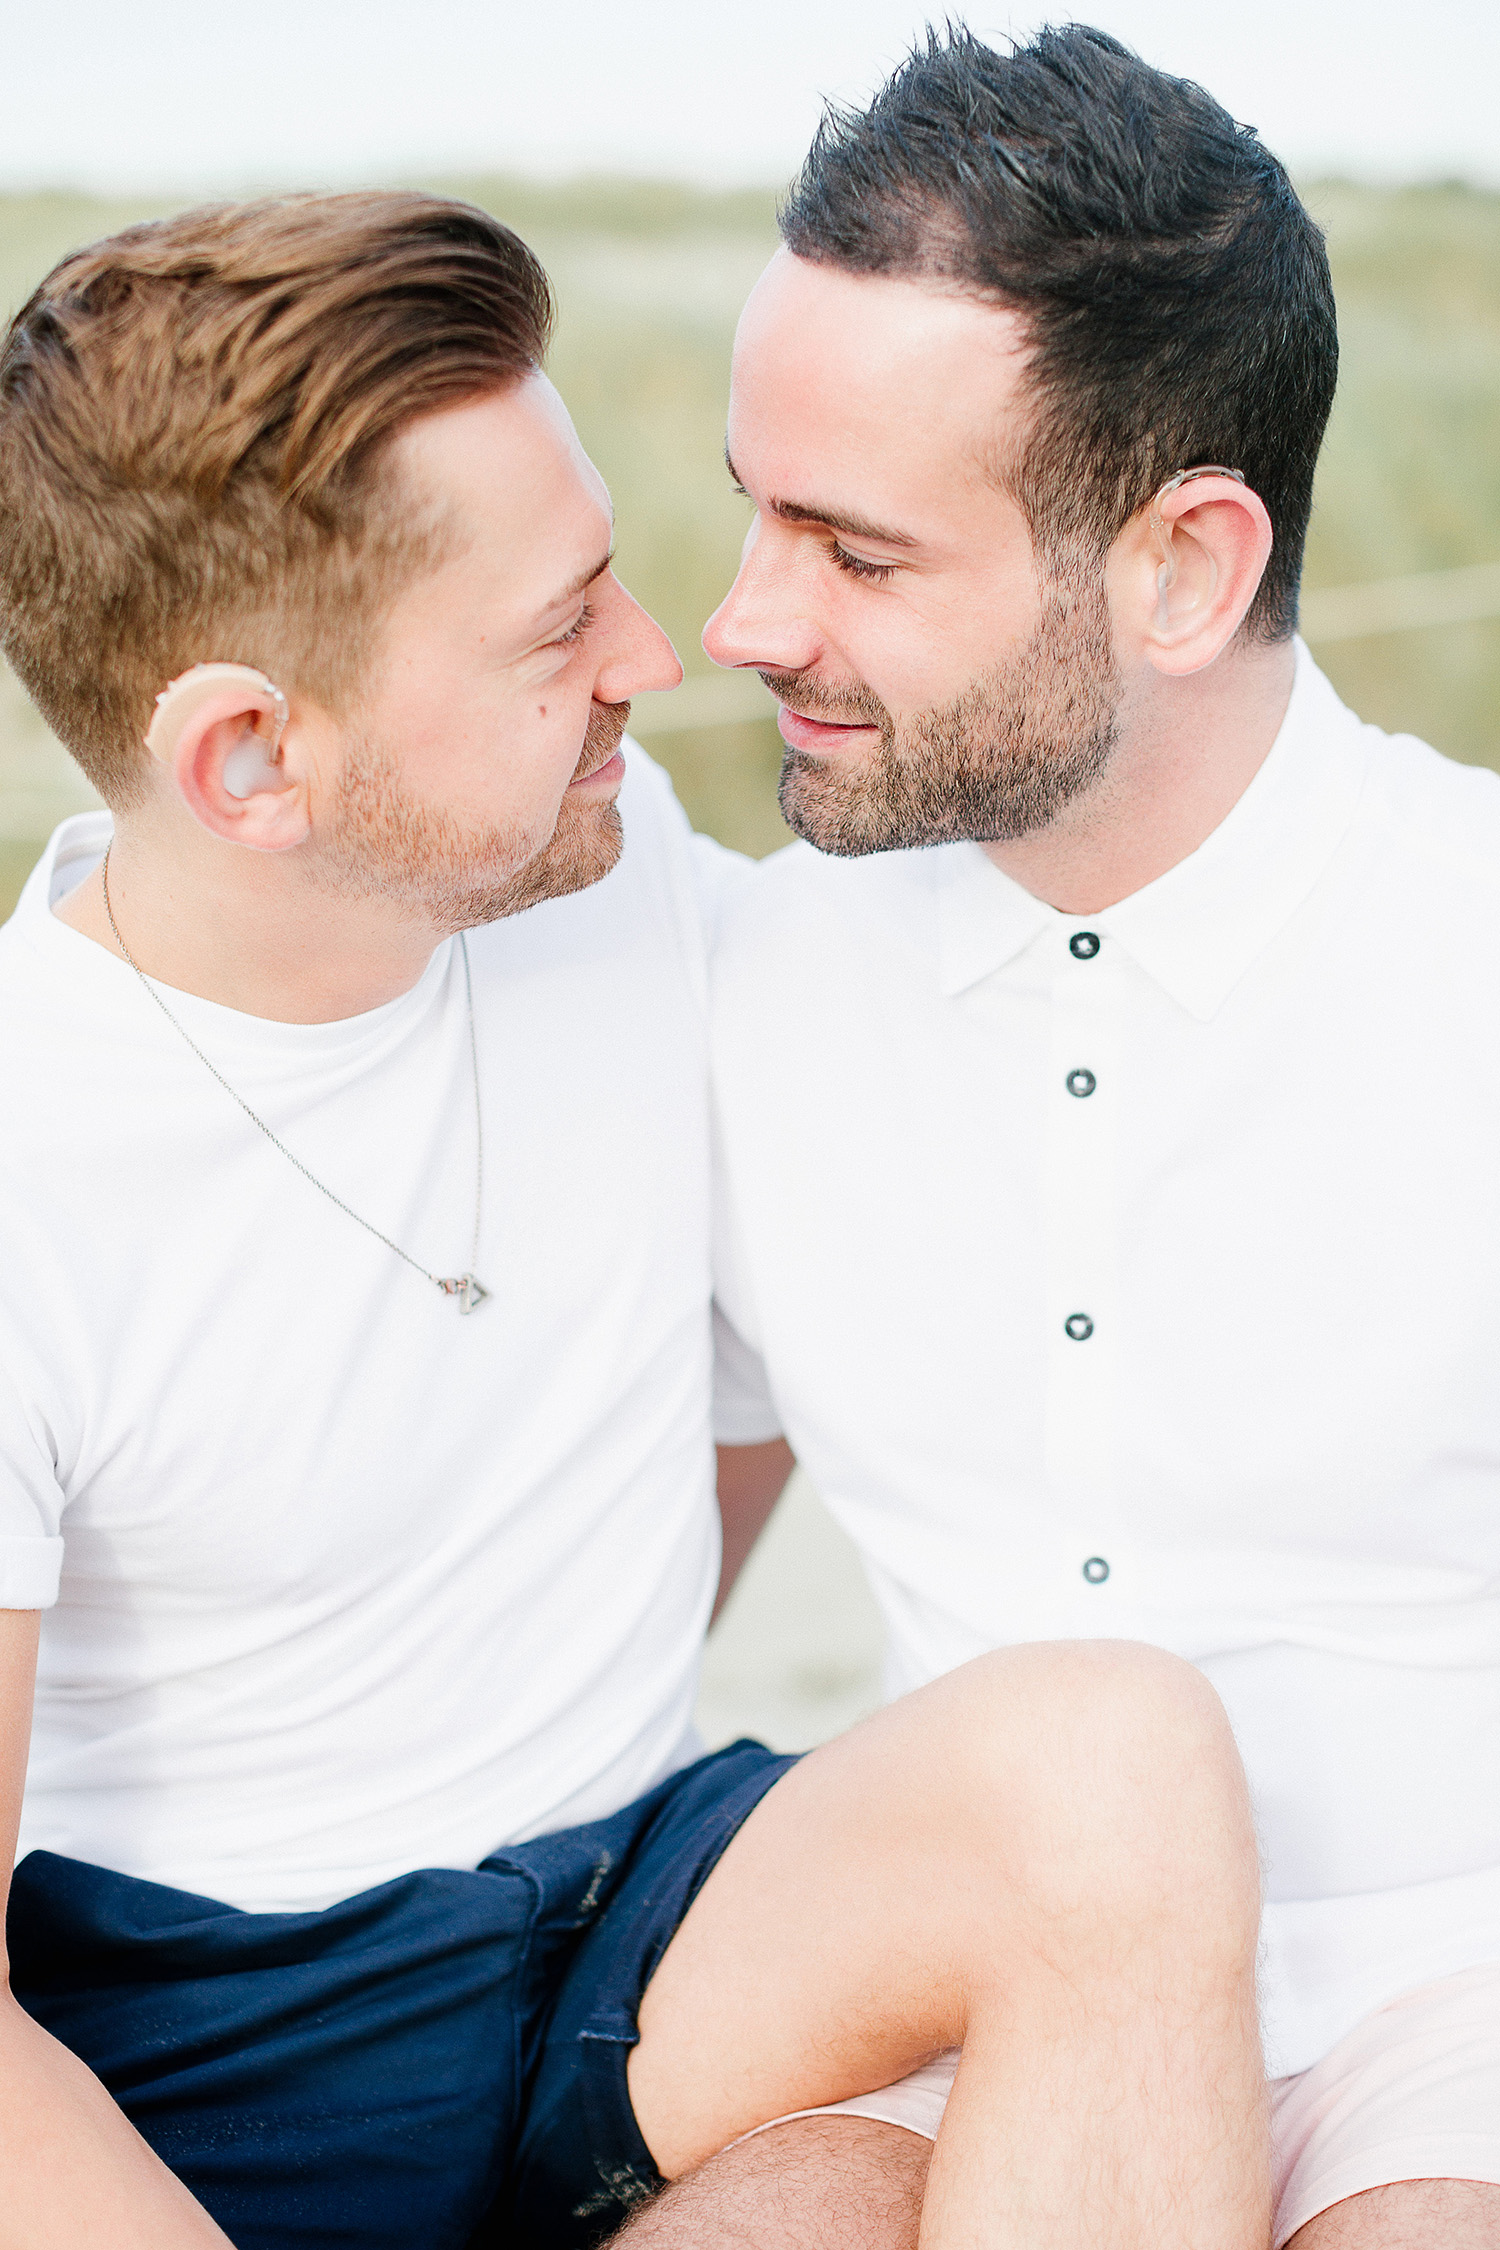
(1079, 1327)
(1083, 945)
(1096, 1570)
(1081, 1083)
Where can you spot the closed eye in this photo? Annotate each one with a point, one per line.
(856, 566)
(576, 630)
(874, 573)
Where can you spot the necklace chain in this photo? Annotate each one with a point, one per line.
(469, 1292)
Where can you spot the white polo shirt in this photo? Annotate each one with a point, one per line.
(337, 1581)
(1139, 1275)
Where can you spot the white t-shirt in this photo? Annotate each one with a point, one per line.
(351, 1583)
(1139, 1274)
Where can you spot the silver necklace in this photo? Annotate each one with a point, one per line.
(470, 1292)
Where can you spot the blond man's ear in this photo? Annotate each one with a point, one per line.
(218, 730)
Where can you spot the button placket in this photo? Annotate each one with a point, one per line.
(1082, 1250)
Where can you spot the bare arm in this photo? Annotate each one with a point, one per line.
(74, 2169)
(752, 1479)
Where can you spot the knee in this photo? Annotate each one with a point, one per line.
(1107, 1772)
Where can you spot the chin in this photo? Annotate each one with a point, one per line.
(584, 846)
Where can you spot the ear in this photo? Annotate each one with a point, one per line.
(1180, 592)
(225, 734)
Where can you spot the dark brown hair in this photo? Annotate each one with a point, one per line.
(1176, 291)
(192, 421)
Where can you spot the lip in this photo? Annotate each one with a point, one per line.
(802, 733)
(607, 776)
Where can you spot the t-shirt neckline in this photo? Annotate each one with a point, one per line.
(79, 843)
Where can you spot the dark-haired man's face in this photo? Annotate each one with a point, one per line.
(937, 680)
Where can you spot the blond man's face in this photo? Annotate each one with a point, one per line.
(479, 771)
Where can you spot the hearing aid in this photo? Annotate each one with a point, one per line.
(252, 764)
(1166, 576)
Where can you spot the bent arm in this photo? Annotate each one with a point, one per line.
(752, 1479)
(74, 2169)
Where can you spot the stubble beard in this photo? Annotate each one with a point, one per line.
(999, 762)
(381, 843)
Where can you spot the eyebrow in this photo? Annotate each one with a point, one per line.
(576, 586)
(836, 519)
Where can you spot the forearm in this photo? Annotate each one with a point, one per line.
(75, 2170)
(751, 1481)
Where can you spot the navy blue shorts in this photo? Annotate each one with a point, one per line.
(437, 2062)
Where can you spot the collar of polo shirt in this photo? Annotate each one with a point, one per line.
(1196, 929)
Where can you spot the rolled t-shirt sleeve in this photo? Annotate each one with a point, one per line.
(31, 1547)
(744, 1412)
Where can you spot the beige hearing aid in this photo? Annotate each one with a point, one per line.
(251, 764)
(1166, 576)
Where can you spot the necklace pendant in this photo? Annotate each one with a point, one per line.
(470, 1293)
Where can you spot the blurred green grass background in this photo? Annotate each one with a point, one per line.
(649, 280)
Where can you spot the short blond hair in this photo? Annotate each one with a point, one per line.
(193, 417)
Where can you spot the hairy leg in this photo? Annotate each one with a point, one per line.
(818, 2183)
(1046, 1858)
(1412, 2215)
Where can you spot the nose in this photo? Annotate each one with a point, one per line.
(761, 620)
(638, 657)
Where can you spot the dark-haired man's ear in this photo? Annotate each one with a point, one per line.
(1180, 594)
(224, 734)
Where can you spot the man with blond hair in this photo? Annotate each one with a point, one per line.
(356, 1529)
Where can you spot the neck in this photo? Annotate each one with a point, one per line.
(1187, 752)
(247, 929)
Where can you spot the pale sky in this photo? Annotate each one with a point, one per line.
(236, 93)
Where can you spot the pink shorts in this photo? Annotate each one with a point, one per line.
(1412, 2093)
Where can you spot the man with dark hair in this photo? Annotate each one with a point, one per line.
(1109, 1102)
(372, 1887)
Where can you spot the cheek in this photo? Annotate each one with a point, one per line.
(495, 756)
(544, 750)
(894, 650)
(924, 649)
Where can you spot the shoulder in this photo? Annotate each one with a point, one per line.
(647, 798)
(34, 1032)
(1430, 805)
(801, 897)
(802, 884)
(645, 916)
(46, 972)
(659, 838)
